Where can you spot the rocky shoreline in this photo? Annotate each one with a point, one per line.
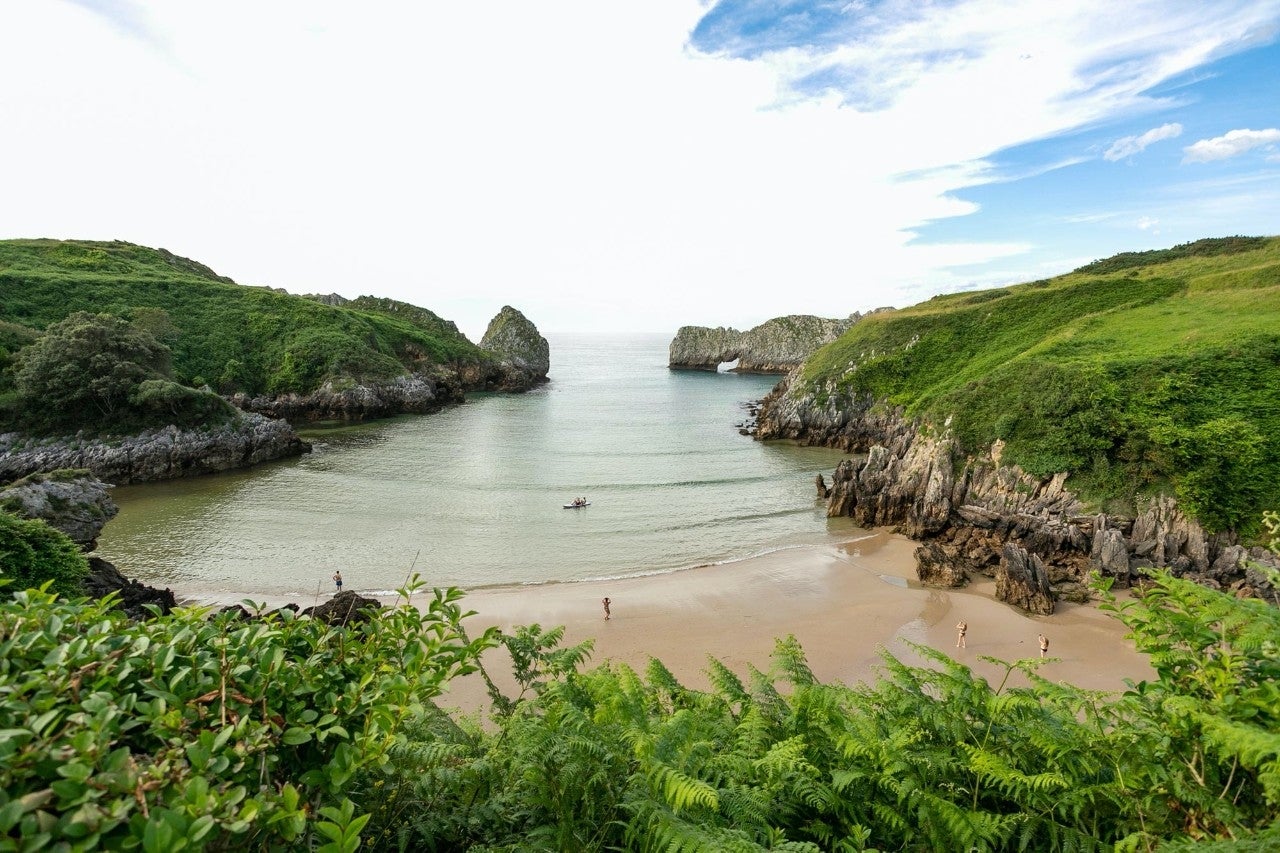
(155, 454)
(975, 515)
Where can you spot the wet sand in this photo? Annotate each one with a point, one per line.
(844, 604)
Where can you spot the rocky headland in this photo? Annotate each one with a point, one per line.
(155, 454)
(521, 361)
(524, 355)
(775, 346)
(972, 514)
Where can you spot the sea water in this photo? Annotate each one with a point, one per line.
(473, 495)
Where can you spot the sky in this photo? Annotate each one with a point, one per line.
(619, 167)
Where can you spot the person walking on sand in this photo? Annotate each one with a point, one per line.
(963, 628)
(337, 580)
(605, 601)
(1044, 644)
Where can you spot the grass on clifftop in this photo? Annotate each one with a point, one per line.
(232, 337)
(1146, 372)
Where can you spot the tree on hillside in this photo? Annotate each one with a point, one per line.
(86, 365)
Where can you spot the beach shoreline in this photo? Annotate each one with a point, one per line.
(844, 603)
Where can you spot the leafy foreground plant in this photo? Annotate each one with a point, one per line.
(198, 732)
(927, 758)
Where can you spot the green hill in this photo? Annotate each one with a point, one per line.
(1149, 371)
(232, 337)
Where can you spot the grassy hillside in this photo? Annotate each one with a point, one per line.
(1147, 371)
(232, 337)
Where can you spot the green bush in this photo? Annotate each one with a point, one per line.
(32, 554)
(86, 368)
(196, 732)
(161, 399)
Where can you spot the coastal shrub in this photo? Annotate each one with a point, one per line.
(85, 368)
(33, 554)
(192, 731)
(165, 400)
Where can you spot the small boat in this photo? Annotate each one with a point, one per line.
(577, 506)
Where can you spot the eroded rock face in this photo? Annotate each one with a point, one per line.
(415, 393)
(1023, 581)
(935, 567)
(525, 354)
(917, 483)
(775, 346)
(157, 454)
(74, 502)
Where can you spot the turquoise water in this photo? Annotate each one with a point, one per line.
(473, 495)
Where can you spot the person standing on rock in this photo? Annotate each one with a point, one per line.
(962, 628)
(1044, 644)
(337, 580)
(605, 601)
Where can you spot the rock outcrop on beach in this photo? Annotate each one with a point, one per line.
(132, 597)
(525, 355)
(74, 502)
(966, 510)
(155, 454)
(345, 608)
(775, 346)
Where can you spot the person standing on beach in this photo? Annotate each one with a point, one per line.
(605, 601)
(1044, 644)
(963, 628)
(337, 580)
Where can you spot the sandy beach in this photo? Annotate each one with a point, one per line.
(844, 603)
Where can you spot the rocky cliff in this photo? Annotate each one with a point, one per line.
(775, 346)
(75, 502)
(157, 454)
(524, 354)
(974, 514)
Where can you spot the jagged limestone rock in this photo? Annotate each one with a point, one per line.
(525, 354)
(916, 482)
(416, 393)
(74, 502)
(935, 567)
(1023, 581)
(155, 454)
(775, 346)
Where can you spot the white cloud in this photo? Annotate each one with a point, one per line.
(1129, 145)
(1230, 144)
(574, 159)
(1146, 223)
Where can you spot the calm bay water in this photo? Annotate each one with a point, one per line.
(475, 493)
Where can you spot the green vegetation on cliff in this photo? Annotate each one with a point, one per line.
(1149, 371)
(231, 337)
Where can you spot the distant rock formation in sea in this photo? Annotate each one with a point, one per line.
(525, 354)
(775, 346)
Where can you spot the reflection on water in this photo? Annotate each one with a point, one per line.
(477, 491)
